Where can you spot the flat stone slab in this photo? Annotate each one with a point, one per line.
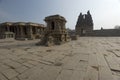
(88, 58)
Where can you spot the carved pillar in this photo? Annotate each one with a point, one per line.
(8, 28)
(36, 30)
(48, 26)
(26, 31)
(21, 31)
(0, 32)
(29, 32)
(17, 32)
(5, 28)
(14, 29)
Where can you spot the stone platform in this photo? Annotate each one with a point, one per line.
(88, 58)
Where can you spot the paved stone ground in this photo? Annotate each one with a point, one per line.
(89, 58)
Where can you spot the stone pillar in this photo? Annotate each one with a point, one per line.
(14, 29)
(0, 32)
(36, 30)
(29, 32)
(21, 32)
(17, 32)
(49, 24)
(3, 29)
(26, 30)
(8, 28)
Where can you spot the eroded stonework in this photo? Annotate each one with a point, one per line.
(55, 32)
(84, 24)
(21, 30)
(84, 27)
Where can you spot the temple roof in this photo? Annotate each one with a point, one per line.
(19, 23)
(55, 17)
(22, 24)
(7, 23)
(35, 24)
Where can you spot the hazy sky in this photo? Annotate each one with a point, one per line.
(105, 13)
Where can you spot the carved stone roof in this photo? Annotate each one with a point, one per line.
(35, 24)
(55, 17)
(22, 24)
(7, 23)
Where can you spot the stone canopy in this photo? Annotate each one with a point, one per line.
(55, 17)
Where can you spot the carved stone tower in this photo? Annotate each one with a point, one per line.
(84, 24)
(55, 32)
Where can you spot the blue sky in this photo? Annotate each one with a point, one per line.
(105, 13)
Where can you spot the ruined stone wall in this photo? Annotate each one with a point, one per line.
(104, 33)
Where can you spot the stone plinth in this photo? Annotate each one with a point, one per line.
(7, 35)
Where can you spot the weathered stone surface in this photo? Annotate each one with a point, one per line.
(84, 27)
(21, 30)
(2, 77)
(11, 64)
(10, 73)
(88, 58)
(74, 37)
(55, 32)
(21, 69)
(84, 24)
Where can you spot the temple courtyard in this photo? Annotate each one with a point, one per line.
(88, 58)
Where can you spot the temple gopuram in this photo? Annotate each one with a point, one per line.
(84, 27)
(21, 30)
(84, 24)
